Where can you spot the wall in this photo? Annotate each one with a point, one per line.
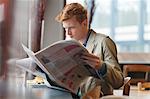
(53, 30)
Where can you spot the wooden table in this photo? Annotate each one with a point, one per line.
(12, 91)
(49, 93)
(134, 58)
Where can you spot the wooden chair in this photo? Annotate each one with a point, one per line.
(136, 69)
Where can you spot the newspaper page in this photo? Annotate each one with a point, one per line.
(62, 63)
(31, 54)
(26, 63)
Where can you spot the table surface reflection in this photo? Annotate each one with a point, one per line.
(50, 93)
(9, 91)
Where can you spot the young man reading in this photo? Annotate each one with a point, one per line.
(103, 51)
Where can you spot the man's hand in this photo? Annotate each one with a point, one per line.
(92, 60)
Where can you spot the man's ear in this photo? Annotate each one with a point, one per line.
(85, 22)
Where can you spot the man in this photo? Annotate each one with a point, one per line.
(103, 50)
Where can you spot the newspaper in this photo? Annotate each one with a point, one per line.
(29, 65)
(61, 62)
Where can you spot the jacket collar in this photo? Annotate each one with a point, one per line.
(91, 44)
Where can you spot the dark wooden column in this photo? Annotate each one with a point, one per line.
(35, 26)
(5, 36)
(35, 22)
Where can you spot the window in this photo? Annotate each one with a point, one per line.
(127, 22)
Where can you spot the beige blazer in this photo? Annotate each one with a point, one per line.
(102, 46)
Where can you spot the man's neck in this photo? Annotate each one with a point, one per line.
(84, 40)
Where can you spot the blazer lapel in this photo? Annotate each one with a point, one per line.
(91, 44)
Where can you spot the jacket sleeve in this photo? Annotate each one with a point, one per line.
(113, 73)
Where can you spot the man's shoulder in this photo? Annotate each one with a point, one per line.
(99, 35)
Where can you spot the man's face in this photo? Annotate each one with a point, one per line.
(74, 29)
